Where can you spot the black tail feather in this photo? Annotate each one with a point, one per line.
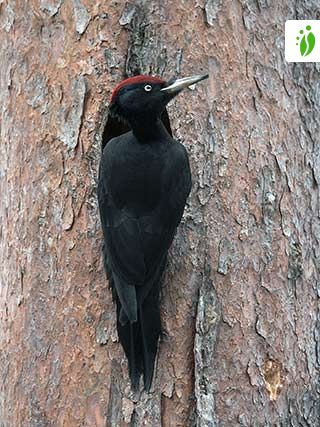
(140, 340)
(134, 362)
(149, 318)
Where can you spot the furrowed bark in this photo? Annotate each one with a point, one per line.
(240, 301)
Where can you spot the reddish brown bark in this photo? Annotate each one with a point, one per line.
(240, 302)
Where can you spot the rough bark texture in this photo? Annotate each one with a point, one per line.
(240, 303)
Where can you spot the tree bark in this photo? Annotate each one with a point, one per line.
(240, 301)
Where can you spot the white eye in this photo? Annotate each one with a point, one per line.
(148, 88)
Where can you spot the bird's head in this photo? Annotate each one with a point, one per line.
(141, 98)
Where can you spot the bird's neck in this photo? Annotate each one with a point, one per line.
(149, 130)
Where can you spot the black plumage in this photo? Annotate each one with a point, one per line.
(144, 182)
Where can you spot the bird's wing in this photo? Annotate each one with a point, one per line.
(123, 238)
(124, 260)
(158, 229)
(136, 248)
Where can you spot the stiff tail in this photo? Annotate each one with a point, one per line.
(140, 339)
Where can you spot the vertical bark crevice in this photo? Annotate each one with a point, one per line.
(240, 300)
(207, 327)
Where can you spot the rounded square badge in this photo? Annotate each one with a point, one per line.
(302, 41)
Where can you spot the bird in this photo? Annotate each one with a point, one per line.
(143, 185)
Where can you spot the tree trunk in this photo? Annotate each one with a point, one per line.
(240, 302)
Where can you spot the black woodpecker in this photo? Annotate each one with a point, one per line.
(144, 182)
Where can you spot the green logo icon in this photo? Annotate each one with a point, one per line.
(306, 41)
